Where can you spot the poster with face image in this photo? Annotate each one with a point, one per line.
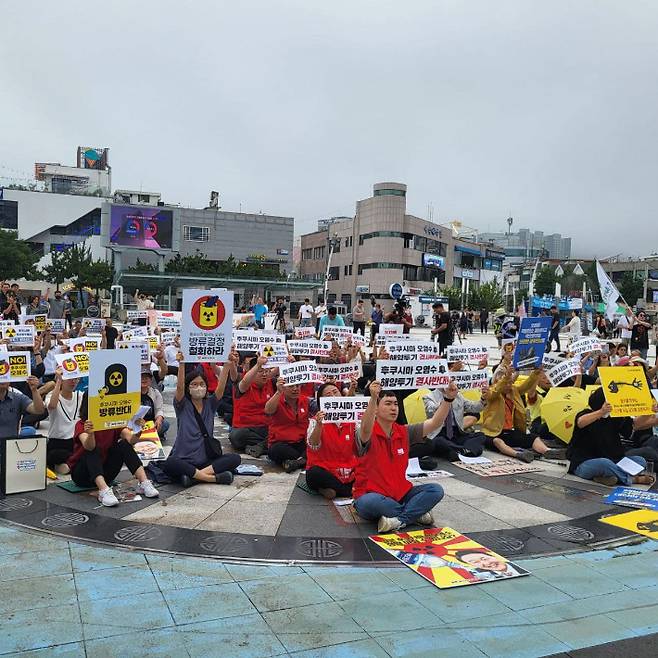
(114, 387)
(15, 366)
(207, 325)
(73, 365)
(447, 558)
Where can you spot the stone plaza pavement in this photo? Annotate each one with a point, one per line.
(66, 599)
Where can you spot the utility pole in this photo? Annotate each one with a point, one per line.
(333, 243)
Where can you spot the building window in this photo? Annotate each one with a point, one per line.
(9, 214)
(380, 266)
(390, 193)
(318, 253)
(334, 273)
(409, 273)
(143, 198)
(196, 233)
(307, 254)
(350, 270)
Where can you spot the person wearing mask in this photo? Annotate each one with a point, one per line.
(56, 304)
(441, 329)
(259, 310)
(640, 334)
(288, 412)
(99, 455)
(330, 457)
(197, 455)
(484, 321)
(332, 319)
(320, 312)
(152, 398)
(596, 446)
(381, 490)
(554, 333)
(305, 314)
(359, 318)
(14, 405)
(63, 405)
(250, 395)
(377, 317)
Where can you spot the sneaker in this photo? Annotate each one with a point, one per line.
(292, 465)
(225, 477)
(607, 480)
(428, 463)
(107, 498)
(426, 519)
(388, 523)
(148, 489)
(256, 450)
(555, 453)
(526, 456)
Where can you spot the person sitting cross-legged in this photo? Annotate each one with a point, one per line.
(197, 455)
(381, 490)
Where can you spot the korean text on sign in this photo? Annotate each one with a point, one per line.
(344, 409)
(207, 325)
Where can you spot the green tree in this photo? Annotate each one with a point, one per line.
(18, 259)
(631, 287)
(98, 275)
(76, 261)
(488, 295)
(57, 272)
(545, 280)
(454, 296)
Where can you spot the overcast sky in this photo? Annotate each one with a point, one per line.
(547, 110)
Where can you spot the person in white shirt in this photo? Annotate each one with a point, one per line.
(63, 405)
(573, 327)
(320, 312)
(625, 325)
(306, 314)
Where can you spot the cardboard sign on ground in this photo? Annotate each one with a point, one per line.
(499, 467)
(642, 521)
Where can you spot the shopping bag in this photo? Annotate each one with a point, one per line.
(23, 464)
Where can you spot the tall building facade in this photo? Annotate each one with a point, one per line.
(526, 244)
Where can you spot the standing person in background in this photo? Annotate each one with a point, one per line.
(573, 328)
(640, 334)
(305, 314)
(320, 312)
(68, 309)
(471, 320)
(624, 326)
(110, 333)
(359, 318)
(554, 334)
(259, 309)
(11, 309)
(56, 304)
(143, 304)
(377, 317)
(280, 309)
(484, 321)
(441, 331)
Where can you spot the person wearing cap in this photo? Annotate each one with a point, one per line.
(152, 398)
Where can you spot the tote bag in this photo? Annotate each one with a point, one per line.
(24, 464)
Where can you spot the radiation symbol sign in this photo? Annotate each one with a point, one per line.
(4, 368)
(269, 351)
(208, 312)
(10, 332)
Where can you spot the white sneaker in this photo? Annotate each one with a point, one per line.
(148, 489)
(107, 498)
(388, 523)
(426, 519)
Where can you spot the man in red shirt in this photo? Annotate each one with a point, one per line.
(381, 489)
(250, 424)
(288, 412)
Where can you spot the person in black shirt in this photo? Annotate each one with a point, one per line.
(640, 334)
(484, 321)
(110, 334)
(554, 334)
(442, 327)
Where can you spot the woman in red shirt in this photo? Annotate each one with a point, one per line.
(288, 412)
(330, 456)
(98, 456)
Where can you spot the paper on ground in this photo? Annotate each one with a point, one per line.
(342, 502)
(141, 412)
(629, 466)
(474, 460)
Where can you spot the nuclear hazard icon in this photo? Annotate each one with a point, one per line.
(208, 312)
(116, 380)
(10, 332)
(269, 351)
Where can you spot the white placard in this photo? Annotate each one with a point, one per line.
(207, 325)
(471, 379)
(38, 320)
(585, 345)
(397, 375)
(276, 353)
(168, 319)
(341, 372)
(83, 344)
(309, 347)
(133, 315)
(251, 340)
(340, 334)
(20, 335)
(304, 332)
(344, 409)
(301, 372)
(562, 371)
(142, 345)
(269, 320)
(551, 360)
(15, 366)
(56, 325)
(73, 364)
(467, 353)
(412, 350)
(93, 325)
(135, 332)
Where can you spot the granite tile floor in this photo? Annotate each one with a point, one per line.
(66, 599)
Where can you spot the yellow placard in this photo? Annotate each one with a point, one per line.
(110, 411)
(642, 521)
(627, 390)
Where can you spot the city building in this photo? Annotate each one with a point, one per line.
(525, 244)
(382, 245)
(645, 269)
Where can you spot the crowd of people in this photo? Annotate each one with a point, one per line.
(366, 461)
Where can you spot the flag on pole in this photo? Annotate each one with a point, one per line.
(609, 292)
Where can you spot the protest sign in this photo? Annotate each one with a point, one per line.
(531, 343)
(207, 325)
(339, 334)
(358, 340)
(341, 372)
(168, 319)
(251, 340)
(412, 350)
(15, 366)
(134, 315)
(141, 345)
(114, 387)
(413, 374)
(20, 335)
(309, 347)
(242, 319)
(149, 445)
(563, 371)
(446, 558)
(344, 409)
(471, 379)
(83, 344)
(467, 353)
(507, 346)
(627, 390)
(135, 332)
(167, 338)
(269, 320)
(73, 365)
(301, 372)
(585, 345)
(498, 467)
(93, 325)
(153, 343)
(304, 332)
(631, 497)
(549, 360)
(276, 354)
(56, 325)
(642, 521)
(39, 320)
